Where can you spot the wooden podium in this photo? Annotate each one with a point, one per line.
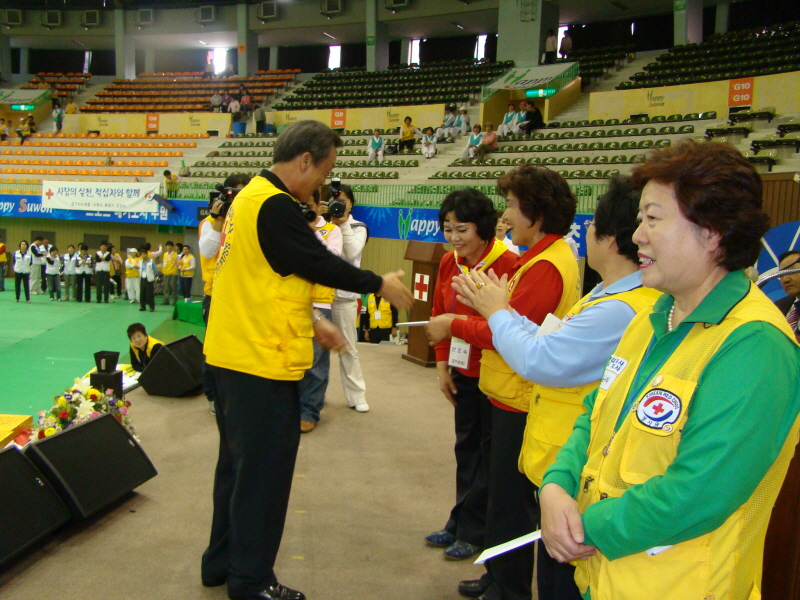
(781, 577)
(426, 257)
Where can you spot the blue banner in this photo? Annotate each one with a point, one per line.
(20, 205)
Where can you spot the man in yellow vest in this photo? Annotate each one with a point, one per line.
(315, 381)
(169, 270)
(258, 345)
(567, 363)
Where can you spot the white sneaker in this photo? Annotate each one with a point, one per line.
(362, 407)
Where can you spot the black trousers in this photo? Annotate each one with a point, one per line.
(555, 580)
(513, 508)
(378, 335)
(408, 144)
(147, 293)
(259, 434)
(22, 279)
(473, 419)
(102, 284)
(84, 287)
(208, 378)
(44, 279)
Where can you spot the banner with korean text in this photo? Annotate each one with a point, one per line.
(107, 196)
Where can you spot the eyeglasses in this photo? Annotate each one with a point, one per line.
(588, 223)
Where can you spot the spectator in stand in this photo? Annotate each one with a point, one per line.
(550, 48)
(509, 120)
(429, 143)
(488, 143)
(72, 108)
(529, 119)
(449, 121)
(472, 144)
(37, 255)
(54, 93)
(216, 101)
(53, 272)
(407, 131)
(71, 273)
(143, 347)
(147, 281)
(3, 130)
(23, 266)
(186, 266)
(172, 183)
(24, 130)
(58, 116)
(3, 263)
(235, 108)
(208, 72)
(169, 270)
(245, 100)
(566, 45)
(260, 117)
(132, 265)
(376, 146)
(85, 270)
(461, 125)
(226, 100)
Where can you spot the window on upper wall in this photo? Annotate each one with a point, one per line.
(335, 57)
(413, 52)
(480, 47)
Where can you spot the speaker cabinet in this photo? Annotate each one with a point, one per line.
(92, 464)
(30, 508)
(175, 370)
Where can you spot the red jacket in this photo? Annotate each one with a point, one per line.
(444, 300)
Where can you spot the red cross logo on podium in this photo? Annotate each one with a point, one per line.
(421, 283)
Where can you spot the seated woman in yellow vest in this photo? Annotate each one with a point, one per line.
(566, 364)
(143, 346)
(665, 487)
(541, 209)
(382, 320)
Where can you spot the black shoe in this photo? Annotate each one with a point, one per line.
(141, 310)
(274, 592)
(472, 588)
(215, 582)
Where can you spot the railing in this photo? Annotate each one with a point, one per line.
(370, 194)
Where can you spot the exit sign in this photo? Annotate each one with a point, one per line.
(170, 229)
(680, 5)
(370, 40)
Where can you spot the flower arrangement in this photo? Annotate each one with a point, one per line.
(78, 405)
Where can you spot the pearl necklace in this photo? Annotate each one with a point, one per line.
(669, 318)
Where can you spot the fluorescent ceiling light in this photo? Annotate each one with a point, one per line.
(329, 35)
(459, 25)
(202, 42)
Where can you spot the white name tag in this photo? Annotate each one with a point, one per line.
(614, 367)
(376, 315)
(459, 354)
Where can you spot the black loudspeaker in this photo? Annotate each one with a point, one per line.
(107, 381)
(30, 508)
(92, 464)
(176, 369)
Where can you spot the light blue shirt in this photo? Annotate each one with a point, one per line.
(576, 353)
(475, 139)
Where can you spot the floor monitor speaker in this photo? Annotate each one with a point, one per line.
(92, 464)
(176, 369)
(30, 508)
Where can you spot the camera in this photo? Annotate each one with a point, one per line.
(336, 207)
(226, 194)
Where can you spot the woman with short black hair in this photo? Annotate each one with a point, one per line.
(468, 219)
(143, 347)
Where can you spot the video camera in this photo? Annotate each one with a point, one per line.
(226, 194)
(336, 207)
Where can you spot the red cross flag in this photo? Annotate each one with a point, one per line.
(421, 287)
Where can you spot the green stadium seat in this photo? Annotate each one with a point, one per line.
(553, 135)
(600, 160)
(673, 118)
(568, 124)
(712, 114)
(490, 162)
(691, 117)
(598, 133)
(582, 123)
(614, 133)
(521, 148)
(619, 159)
(549, 148)
(439, 175)
(648, 131)
(668, 130)
(663, 143)
(597, 123)
(610, 122)
(577, 174)
(612, 145)
(583, 133)
(564, 147)
(567, 135)
(629, 145)
(554, 124)
(484, 174)
(596, 146)
(564, 173)
(505, 149)
(686, 129)
(550, 160)
(638, 158)
(594, 174)
(470, 175)
(658, 119)
(518, 161)
(534, 160)
(581, 147)
(535, 148)
(631, 131)
(610, 173)
(565, 160)
(503, 162)
(497, 174)
(582, 160)
(645, 144)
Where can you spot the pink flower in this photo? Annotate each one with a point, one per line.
(94, 414)
(123, 411)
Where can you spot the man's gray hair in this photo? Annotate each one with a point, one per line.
(305, 136)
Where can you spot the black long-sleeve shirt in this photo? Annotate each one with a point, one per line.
(292, 248)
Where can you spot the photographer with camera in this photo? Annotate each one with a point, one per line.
(258, 345)
(345, 304)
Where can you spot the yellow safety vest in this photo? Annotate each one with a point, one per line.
(133, 273)
(169, 263)
(385, 322)
(498, 380)
(151, 341)
(724, 564)
(320, 293)
(185, 262)
(208, 266)
(260, 322)
(553, 411)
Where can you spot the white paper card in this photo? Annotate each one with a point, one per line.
(412, 324)
(459, 354)
(615, 366)
(657, 550)
(513, 544)
(376, 315)
(549, 325)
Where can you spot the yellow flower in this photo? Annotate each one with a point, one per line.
(93, 394)
(61, 401)
(49, 431)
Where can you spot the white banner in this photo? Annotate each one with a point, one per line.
(89, 196)
(22, 96)
(527, 78)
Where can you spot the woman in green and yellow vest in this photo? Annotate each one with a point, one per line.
(568, 362)
(143, 347)
(665, 487)
(540, 207)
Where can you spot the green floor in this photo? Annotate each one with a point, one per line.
(44, 345)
